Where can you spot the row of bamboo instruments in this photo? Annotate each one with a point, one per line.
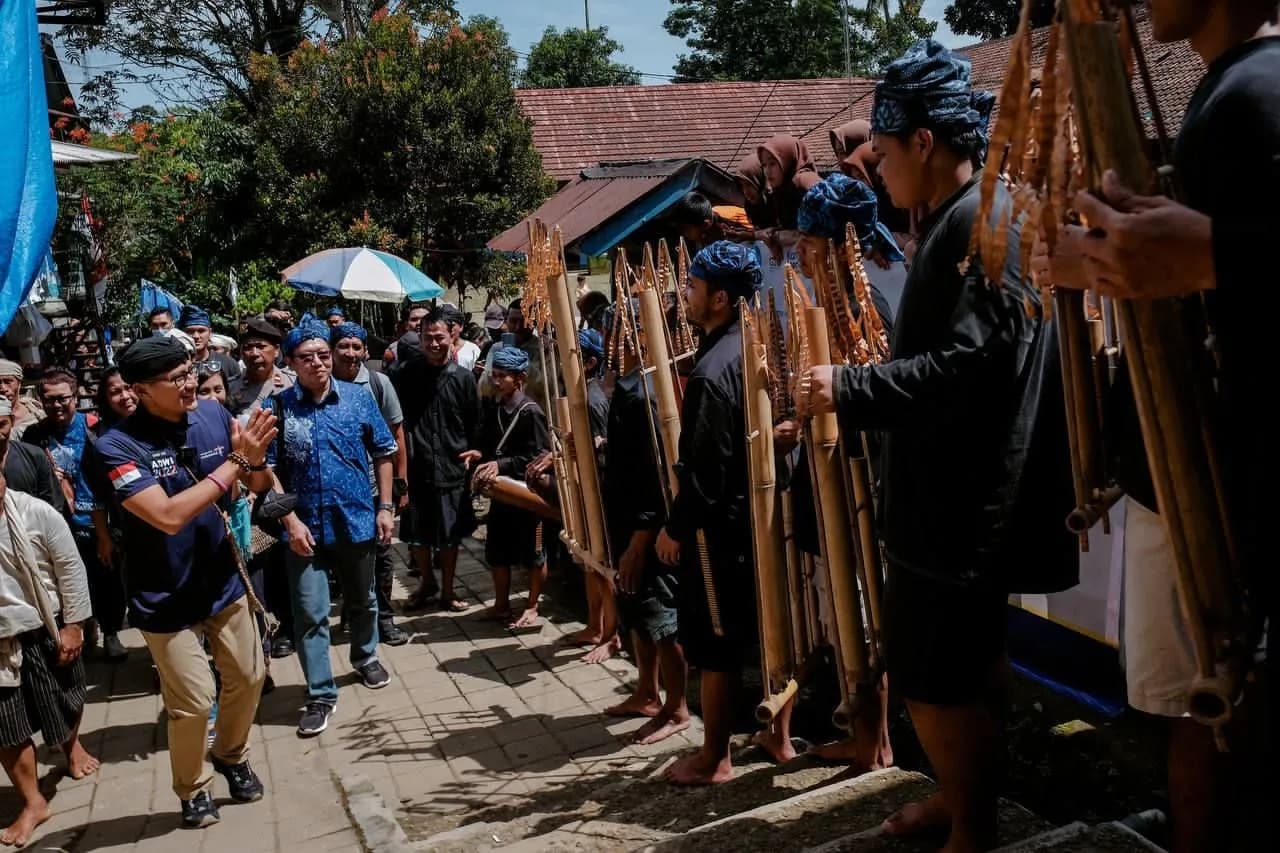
(778, 350)
(1051, 140)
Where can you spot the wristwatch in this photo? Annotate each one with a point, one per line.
(386, 507)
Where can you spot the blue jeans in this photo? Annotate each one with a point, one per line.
(352, 566)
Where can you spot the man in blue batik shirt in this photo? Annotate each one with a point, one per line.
(329, 430)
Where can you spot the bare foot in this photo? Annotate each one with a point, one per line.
(635, 705)
(32, 815)
(848, 751)
(659, 728)
(918, 818)
(697, 769)
(527, 619)
(79, 762)
(780, 749)
(604, 651)
(498, 614)
(585, 637)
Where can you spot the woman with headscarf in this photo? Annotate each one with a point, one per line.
(846, 138)
(750, 177)
(789, 174)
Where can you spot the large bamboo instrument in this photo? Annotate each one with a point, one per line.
(1076, 138)
(588, 542)
(517, 493)
(779, 663)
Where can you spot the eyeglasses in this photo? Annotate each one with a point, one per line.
(62, 400)
(321, 357)
(178, 380)
(210, 366)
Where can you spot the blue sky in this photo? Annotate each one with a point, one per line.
(636, 24)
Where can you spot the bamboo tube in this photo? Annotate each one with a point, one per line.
(1082, 519)
(838, 547)
(1170, 392)
(1068, 309)
(796, 599)
(869, 548)
(663, 381)
(778, 665)
(571, 509)
(774, 703)
(588, 478)
(518, 494)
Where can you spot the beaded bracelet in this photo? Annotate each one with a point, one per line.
(217, 481)
(238, 458)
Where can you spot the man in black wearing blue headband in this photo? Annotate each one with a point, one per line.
(716, 615)
(960, 406)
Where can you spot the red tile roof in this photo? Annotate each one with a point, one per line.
(578, 128)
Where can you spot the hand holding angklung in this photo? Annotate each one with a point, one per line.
(668, 548)
(1144, 247)
(485, 474)
(818, 394)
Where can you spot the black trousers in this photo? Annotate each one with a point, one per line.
(383, 572)
(106, 585)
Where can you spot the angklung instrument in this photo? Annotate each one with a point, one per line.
(1045, 147)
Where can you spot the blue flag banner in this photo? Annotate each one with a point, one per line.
(154, 296)
(28, 201)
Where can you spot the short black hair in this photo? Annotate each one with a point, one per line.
(968, 145)
(57, 375)
(157, 311)
(435, 314)
(693, 209)
(280, 305)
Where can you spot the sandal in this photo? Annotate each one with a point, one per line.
(454, 605)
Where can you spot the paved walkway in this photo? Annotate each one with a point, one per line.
(474, 715)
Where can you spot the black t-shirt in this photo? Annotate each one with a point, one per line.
(1228, 164)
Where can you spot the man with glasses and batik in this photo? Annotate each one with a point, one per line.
(330, 432)
(171, 465)
(66, 435)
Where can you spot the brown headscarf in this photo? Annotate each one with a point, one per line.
(848, 136)
(750, 172)
(799, 175)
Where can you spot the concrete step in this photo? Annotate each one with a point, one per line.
(628, 809)
(841, 817)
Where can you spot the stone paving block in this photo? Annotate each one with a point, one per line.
(482, 764)
(506, 657)
(457, 744)
(519, 729)
(587, 737)
(609, 690)
(554, 702)
(577, 673)
(534, 749)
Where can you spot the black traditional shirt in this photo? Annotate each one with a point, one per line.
(633, 472)
(441, 420)
(514, 433)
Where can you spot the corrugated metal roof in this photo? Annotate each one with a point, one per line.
(575, 129)
(70, 154)
(578, 208)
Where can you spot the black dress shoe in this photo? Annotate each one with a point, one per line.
(114, 650)
(281, 647)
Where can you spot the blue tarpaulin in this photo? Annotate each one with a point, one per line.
(28, 200)
(154, 296)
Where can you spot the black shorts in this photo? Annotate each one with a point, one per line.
(653, 609)
(50, 698)
(513, 538)
(438, 517)
(719, 636)
(942, 640)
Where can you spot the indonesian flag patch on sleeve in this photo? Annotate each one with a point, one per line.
(123, 475)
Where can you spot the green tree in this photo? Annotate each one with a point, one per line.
(409, 139)
(790, 39)
(574, 58)
(993, 19)
(170, 215)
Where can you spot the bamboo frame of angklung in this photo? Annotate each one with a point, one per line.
(541, 263)
(659, 363)
(779, 663)
(1170, 371)
(588, 544)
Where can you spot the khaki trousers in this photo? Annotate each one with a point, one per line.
(186, 683)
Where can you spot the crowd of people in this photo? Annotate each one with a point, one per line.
(230, 490)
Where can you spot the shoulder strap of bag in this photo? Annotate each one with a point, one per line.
(507, 433)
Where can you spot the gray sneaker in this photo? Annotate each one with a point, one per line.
(315, 719)
(374, 675)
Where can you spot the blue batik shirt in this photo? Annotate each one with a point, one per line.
(69, 453)
(327, 447)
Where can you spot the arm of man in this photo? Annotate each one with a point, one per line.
(382, 448)
(934, 384)
(52, 538)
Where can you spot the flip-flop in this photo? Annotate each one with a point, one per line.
(457, 605)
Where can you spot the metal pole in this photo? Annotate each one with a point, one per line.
(848, 66)
(586, 11)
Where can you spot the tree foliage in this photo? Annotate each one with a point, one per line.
(992, 19)
(574, 58)
(407, 138)
(790, 39)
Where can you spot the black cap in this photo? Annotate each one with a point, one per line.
(263, 330)
(147, 358)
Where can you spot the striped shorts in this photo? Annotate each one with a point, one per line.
(50, 698)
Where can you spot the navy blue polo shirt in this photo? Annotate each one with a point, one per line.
(173, 581)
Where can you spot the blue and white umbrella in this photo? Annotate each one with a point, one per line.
(360, 273)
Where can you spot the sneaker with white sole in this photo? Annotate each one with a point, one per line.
(315, 719)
